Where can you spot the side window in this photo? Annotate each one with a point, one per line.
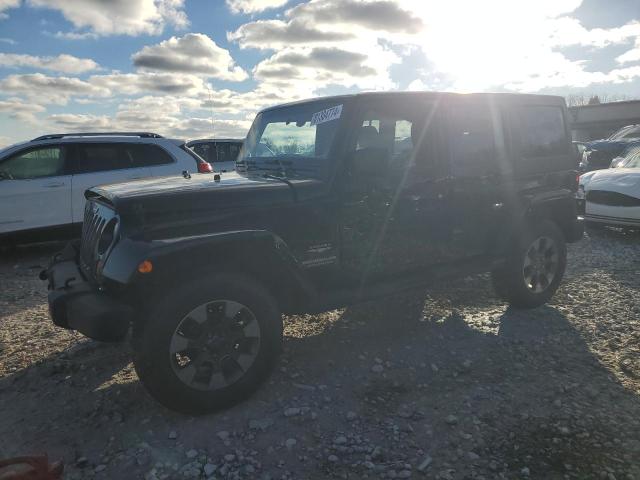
(405, 134)
(632, 159)
(206, 151)
(541, 131)
(34, 163)
(223, 152)
(228, 152)
(472, 136)
(144, 155)
(388, 133)
(234, 151)
(100, 157)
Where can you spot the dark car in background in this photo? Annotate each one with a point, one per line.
(219, 152)
(599, 153)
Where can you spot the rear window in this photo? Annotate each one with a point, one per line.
(541, 131)
(100, 157)
(205, 150)
(472, 140)
(142, 155)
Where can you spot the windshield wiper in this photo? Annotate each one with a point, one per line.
(283, 179)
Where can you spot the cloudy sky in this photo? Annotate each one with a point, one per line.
(192, 68)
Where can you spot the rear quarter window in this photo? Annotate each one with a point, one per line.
(473, 131)
(143, 155)
(540, 140)
(542, 132)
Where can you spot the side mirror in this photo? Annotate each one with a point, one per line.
(369, 162)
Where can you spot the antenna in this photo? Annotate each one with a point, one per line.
(211, 101)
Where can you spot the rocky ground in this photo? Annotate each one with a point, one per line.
(447, 384)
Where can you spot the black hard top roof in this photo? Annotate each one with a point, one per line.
(528, 98)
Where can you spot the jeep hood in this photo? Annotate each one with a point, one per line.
(201, 187)
(200, 202)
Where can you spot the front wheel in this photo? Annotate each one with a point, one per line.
(208, 345)
(534, 267)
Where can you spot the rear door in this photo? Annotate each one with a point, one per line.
(478, 166)
(35, 189)
(102, 163)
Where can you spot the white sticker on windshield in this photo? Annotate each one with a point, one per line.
(327, 115)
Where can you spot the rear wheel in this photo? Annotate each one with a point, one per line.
(208, 345)
(534, 267)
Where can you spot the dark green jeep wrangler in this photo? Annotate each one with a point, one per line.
(335, 200)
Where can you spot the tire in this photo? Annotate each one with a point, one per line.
(534, 267)
(208, 345)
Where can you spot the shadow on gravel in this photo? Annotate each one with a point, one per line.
(525, 381)
(61, 403)
(20, 287)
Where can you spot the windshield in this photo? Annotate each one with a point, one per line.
(626, 133)
(292, 141)
(631, 158)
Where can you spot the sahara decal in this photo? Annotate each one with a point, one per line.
(326, 115)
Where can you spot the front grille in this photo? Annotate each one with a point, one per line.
(612, 199)
(96, 216)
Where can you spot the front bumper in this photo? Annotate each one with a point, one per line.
(76, 304)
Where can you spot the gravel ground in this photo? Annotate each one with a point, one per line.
(447, 384)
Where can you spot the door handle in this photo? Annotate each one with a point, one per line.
(54, 185)
(136, 178)
(497, 206)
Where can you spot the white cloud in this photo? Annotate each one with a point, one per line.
(166, 116)
(5, 141)
(50, 90)
(119, 17)
(62, 63)
(254, 6)
(375, 15)
(18, 110)
(142, 83)
(193, 53)
(8, 41)
(311, 69)
(331, 22)
(569, 31)
(276, 34)
(632, 55)
(76, 35)
(6, 5)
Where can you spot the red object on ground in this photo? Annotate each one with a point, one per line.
(30, 468)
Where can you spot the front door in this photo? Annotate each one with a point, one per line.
(35, 189)
(395, 191)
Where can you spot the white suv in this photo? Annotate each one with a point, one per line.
(42, 182)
